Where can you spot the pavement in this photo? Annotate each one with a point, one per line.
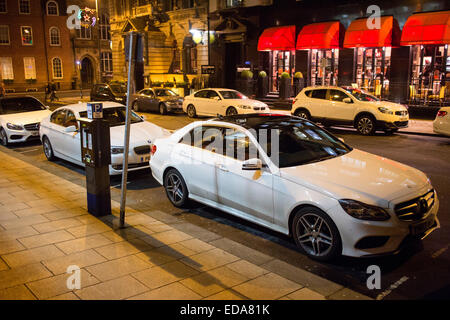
(45, 229)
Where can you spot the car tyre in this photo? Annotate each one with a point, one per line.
(302, 113)
(135, 106)
(191, 112)
(315, 234)
(48, 149)
(3, 137)
(176, 189)
(231, 111)
(365, 125)
(162, 109)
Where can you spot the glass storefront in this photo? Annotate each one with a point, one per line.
(323, 67)
(372, 70)
(430, 73)
(282, 61)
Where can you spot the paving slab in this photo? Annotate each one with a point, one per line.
(81, 259)
(13, 277)
(31, 256)
(117, 289)
(174, 291)
(117, 268)
(16, 293)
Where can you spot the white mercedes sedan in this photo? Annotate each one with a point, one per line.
(61, 139)
(19, 119)
(285, 173)
(214, 102)
(441, 124)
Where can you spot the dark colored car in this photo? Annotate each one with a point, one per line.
(160, 100)
(116, 92)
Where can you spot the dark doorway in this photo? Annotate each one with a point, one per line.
(87, 73)
(233, 56)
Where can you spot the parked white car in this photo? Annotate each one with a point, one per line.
(351, 107)
(214, 101)
(332, 199)
(20, 118)
(61, 139)
(441, 124)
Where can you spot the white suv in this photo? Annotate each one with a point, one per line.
(349, 106)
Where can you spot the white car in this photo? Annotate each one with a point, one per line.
(61, 139)
(20, 118)
(441, 124)
(330, 198)
(349, 106)
(214, 102)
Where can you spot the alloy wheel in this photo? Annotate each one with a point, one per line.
(232, 111)
(3, 138)
(365, 126)
(314, 235)
(191, 111)
(48, 150)
(174, 188)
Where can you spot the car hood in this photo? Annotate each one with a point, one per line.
(25, 117)
(247, 102)
(141, 133)
(360, 176)
(390, 105)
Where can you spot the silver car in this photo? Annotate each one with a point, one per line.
(160, 100)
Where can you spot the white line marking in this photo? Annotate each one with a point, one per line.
(393, 286)
(439, 252)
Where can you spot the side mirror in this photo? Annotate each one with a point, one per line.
(252, 164)
(70, 129)
(341, 139)
(347, 100)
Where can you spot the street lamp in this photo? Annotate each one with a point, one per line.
(81, 82)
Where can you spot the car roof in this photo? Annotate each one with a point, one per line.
(256, 120)
(322, 87)
(218, 89)
(80, 107)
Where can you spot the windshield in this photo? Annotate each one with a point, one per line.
(116, 116)
(232, 95)
(19, 105)
(118, 88)
(361, 95)
(294, 142)
(165, 93)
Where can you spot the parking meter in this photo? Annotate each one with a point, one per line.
(96, 155)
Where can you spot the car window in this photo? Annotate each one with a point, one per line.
(319, 94)
(165, 93)
(71, 120)
(204, 137)
(201, 94)
(58, 117)
(336, 95)
(103, 90)
(238, 145)
(19, 105)
(308, 93)
(212, 94)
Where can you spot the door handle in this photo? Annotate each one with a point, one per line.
(222, 168)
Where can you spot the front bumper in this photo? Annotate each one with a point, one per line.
(395, 231)
(135, 162)
(17, 136)
(393, 125)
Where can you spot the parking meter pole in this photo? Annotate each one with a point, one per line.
(130, 92)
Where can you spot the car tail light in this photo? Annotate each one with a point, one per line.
(293, 101)
(442, 113)
(153, 149)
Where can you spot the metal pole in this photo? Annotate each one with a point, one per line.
(99, 41)
(209, 44)
(126, 143)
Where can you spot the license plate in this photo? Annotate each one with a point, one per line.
(422, 227)
(145, 159)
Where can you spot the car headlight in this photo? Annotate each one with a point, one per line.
(244, 107)
(117, 150)
(363, 211)
(385, 110)
(14, 126)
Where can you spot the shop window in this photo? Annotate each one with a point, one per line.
(373, 69)
(324, 67)
(282, 61)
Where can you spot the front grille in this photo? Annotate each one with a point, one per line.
(401, 113)
(401, 123)
(415, 209)
(142, 150)
(32, 126)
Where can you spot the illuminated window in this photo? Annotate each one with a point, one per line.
(24, 6)
(105, 29)
(107, 65)
(55, 39)
(29, 67)
(84, 32)
(57, 68)
(52, 8)
(6, 68)
(27, 36)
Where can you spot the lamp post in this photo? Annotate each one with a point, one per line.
(99, 40)
(81, 82)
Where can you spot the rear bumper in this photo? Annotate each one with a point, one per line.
(392, 125)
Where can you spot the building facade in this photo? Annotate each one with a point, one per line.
(174, 35)
(91, 42)
(35, 47)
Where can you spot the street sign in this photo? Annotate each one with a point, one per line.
(208, 69)
(95, 110)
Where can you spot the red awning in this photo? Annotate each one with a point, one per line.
(427, 28)
(322, 35)
(277, 38)
(358, 33)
